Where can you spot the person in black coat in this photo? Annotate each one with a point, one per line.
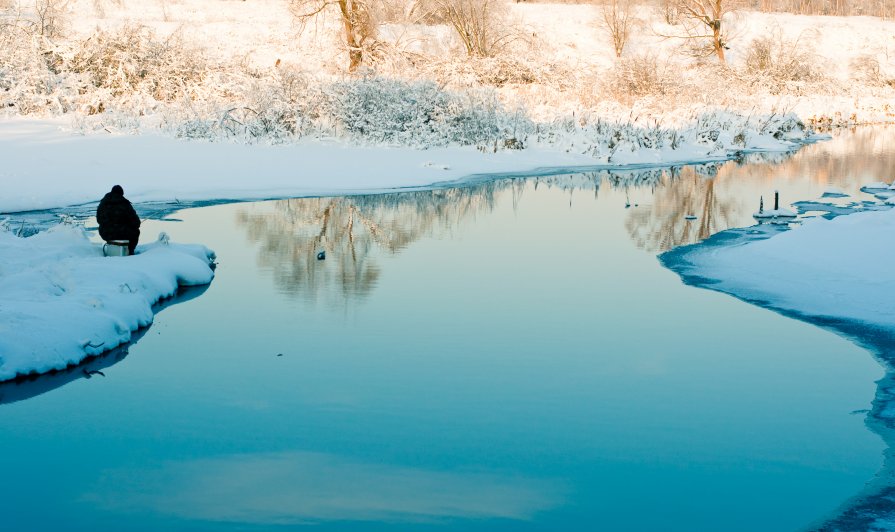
(117, 219)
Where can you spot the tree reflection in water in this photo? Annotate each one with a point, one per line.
(678, 192)
(353, 230)
(660, 223)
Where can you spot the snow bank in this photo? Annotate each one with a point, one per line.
(837, 269)
(46, 165)
(61, 300)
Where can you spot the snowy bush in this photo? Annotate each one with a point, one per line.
(29, 78)
(866, 69)
(133, 60)
(782, 65)
(128, 70)
(640, 75)
(503, 70)
(419, 113)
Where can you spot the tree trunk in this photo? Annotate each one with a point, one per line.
(351, 21)
(717, 8)
(718, 43)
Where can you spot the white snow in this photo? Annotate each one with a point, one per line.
(61, 300)
(46, 165)
(839, 268)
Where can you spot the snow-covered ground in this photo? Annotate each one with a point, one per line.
(62, 301)
(46, 165)
(842, 68)
(236, 66)
(829, 270)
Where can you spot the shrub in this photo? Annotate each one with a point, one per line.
(496, 72)
(638, 76)
(866, 69)
(419, 113)
(132, 60)
(781, 64)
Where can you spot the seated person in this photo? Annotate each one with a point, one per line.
(117, 219)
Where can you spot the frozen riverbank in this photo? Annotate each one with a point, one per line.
(825, 270)
(46, 165)
(61, 301)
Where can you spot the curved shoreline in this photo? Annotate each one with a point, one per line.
(157, 168)
(41, 219)
(874, 502)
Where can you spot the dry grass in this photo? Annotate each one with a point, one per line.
(639, 76)
(782, 65)
(133, 60)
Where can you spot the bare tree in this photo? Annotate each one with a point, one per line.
(50, 17)
(482, 25)
(358, 22)
(703, 20)
(617, 20)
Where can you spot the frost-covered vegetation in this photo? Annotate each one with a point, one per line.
(438, 72)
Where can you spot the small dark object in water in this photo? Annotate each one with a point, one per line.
(321, 255)
(88, 373)
(279, 354)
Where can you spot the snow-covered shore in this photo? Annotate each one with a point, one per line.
(46, 165)
(61, 301)
(826, 270)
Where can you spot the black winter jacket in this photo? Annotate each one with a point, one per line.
(116, 217)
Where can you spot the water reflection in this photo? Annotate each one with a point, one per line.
(35, 385)
(299, 487)
(352, 230)
(667, 208)
(681, 194)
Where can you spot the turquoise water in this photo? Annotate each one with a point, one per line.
(504, 356)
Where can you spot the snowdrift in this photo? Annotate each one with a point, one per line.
(826, 270)
(62, 301)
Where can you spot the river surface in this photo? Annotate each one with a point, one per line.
(508, 355)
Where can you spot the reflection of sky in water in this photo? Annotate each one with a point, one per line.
(304, 488)
(506, 357)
